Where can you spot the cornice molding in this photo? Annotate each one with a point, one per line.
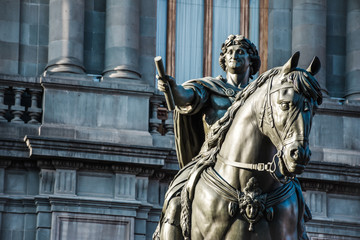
(56, 148)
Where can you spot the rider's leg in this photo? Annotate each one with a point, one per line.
(171, 225)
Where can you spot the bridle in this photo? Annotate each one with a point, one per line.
(281, 139)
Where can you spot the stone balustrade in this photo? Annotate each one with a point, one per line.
(161, 120)
(20, 100)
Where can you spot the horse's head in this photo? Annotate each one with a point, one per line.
(292, 96)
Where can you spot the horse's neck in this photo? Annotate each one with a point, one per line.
(245, 143)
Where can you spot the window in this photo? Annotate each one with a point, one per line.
(190, 33)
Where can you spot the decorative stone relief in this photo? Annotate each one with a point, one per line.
(125, 186)
(317, 203)
(47, 180)
(65, 181)
(142, 188)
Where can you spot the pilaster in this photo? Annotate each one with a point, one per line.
(43, 219)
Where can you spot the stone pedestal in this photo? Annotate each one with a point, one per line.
(66, 36)
(352, 89)
(309, 34)
(122, 39)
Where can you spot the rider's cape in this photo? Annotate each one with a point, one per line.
(188, 123)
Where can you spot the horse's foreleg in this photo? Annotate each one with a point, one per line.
(171, 224)
(210, 218)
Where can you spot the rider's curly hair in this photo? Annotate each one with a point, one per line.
(247, 45)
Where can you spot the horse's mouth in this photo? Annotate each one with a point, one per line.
(295, 168)
(290, 168)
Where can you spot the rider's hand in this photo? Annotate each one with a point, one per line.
(162, 86)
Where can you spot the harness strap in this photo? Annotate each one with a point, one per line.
(261, 167)
(220, 185)
(224, 189)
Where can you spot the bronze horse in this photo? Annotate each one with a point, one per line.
(242, 184)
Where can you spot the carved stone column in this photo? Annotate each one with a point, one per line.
(309, 34)
(336, 47)
(279, 38)
(122, 39)
(352, 89)
(66, 36)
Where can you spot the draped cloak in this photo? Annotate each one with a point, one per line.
(188, 121)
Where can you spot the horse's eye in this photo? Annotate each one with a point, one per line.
(306, 106)
(284, 106)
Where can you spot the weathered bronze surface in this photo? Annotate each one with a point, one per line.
(242, 184)
(201, 102)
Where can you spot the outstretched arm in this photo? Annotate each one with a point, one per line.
(182, 96)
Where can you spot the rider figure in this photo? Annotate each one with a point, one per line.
(199, 104)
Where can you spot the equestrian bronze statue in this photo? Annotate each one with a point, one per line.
(242, 183)
(201, 102)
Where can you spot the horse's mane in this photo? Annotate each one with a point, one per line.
(303, 82)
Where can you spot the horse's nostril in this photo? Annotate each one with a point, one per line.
(294, 153)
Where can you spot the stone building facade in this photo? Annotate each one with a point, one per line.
(86, 145)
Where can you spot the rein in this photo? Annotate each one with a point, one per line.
(282, 140)
(261, 167)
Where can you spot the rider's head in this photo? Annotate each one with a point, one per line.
(245, 44)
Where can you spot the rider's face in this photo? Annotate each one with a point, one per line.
(237, 60)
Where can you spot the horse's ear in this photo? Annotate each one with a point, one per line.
(291, 64)
(314, 66)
